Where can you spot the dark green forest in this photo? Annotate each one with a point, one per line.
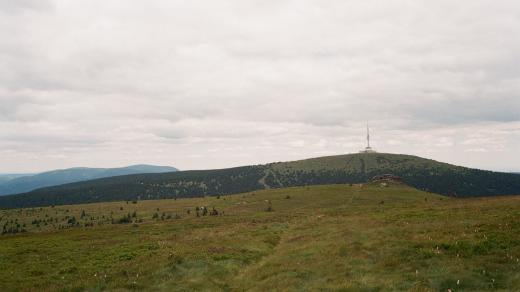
(424, 174)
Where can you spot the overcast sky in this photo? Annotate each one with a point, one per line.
(207, 84)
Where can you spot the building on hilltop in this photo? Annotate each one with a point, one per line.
(387, 177)
(368, 149)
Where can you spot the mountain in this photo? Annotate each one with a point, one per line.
(421, 173)
(4, 177)
(14, 184)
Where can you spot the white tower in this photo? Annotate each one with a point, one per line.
(368, 149)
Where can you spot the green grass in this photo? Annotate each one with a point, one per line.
(334, 237)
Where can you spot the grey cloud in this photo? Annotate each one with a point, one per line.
(18, 6)
(191, 81)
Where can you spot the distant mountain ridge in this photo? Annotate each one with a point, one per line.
(20, 183)
(10, 176)
(421, 173)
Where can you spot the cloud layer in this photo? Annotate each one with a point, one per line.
(203, 84)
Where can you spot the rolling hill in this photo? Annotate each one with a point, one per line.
(4, 177)
(14, 184)
(421, 173)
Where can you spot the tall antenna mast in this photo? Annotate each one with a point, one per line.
(368, 149)
(368, 137)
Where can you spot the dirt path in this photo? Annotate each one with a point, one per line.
(262, 181)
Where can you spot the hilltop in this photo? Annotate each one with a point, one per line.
(371, 237)
(421, 173)
(19, 183)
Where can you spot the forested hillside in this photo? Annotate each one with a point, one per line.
(424, 174)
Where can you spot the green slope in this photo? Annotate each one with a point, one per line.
(424, 174)
(318, 238)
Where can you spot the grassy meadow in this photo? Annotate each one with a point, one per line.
(335, 237)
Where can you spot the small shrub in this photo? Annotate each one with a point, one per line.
(72, 221)
(174, 261)
(269, 207)
(214, 212)
(124, 220)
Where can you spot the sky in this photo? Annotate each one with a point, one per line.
(214, 84)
